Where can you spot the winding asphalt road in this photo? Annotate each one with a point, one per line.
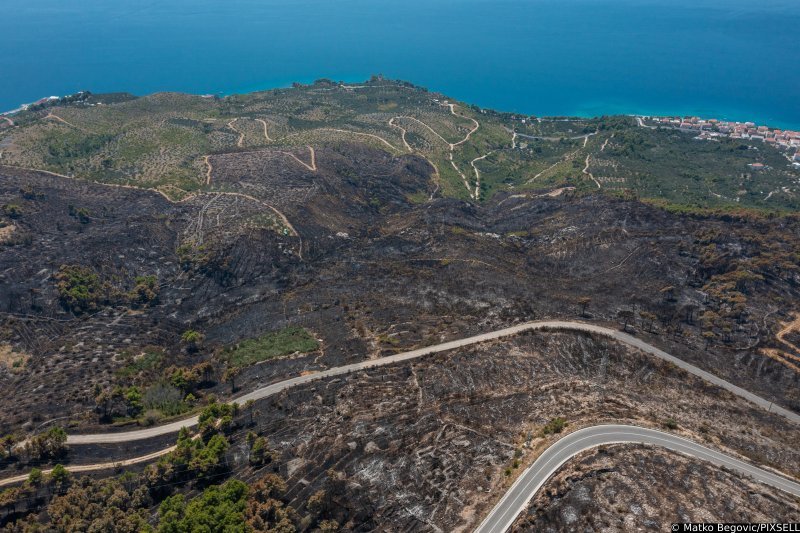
(264, 392)
(269, 390)
(533, 478)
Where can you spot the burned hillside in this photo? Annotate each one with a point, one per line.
(362, 254)
(631, 488)
(432, 445)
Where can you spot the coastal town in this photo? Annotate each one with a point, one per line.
(709, 129)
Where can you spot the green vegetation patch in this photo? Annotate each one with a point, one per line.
(63, 147)
(164, 398)
(12, 210)
(270, 345)
(148, 361)
(555, 426)
(81, 289)
(218, 508)
(161, 140)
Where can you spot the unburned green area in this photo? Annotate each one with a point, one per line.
(162, 141)
(270, 345)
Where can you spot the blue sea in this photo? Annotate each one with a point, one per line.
(734, 59)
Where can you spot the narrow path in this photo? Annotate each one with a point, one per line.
(10, 122)
(263, 203)
(313, 166)
(209, 169)
(436, 176)
(556, 192)
(240, 140)
(198, 224)
(585, 137)
(418, 121)
(463, 177)
(517, 498)
(272, 208)
(392, 123)
(52, 116)
(478, 173)
(280, 215)
(782, 356)
(473, 130)
(565, 158)
(381, 139)
(74, 469)
(474, 194)
(587, 173)
(402, 133)
(266, 133)
(641, 124)
(624, 260)
(794, 325)
(437, 134)
(345, 87)
(554, 165)
(450, 145)
(313, 158)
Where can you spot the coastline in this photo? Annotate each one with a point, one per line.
(705, 112)
(583, 111)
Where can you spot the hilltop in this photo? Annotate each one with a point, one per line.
(171, 142)
(160, 255)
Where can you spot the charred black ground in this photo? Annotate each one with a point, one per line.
(121, 306)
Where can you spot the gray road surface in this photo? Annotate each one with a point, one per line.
(533, 478)
(269, 390)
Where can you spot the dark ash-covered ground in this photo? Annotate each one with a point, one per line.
(374, 269)
(425, 446)
(379, 273)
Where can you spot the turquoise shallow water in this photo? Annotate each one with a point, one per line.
(736, 59)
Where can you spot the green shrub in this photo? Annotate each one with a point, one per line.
(151, 417)
(133, 399)
(556, 425)
(217, 417)
(35, 477)
(670, 423)
(80, 288)
(193, 257)
(83, 215)
(192, 459)
(48, 445)
(145, 291)
(12, 210)
(165, 398)
(192, 340)
(218, 508)
(29, 193)
(60, 475)
(260, 453)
